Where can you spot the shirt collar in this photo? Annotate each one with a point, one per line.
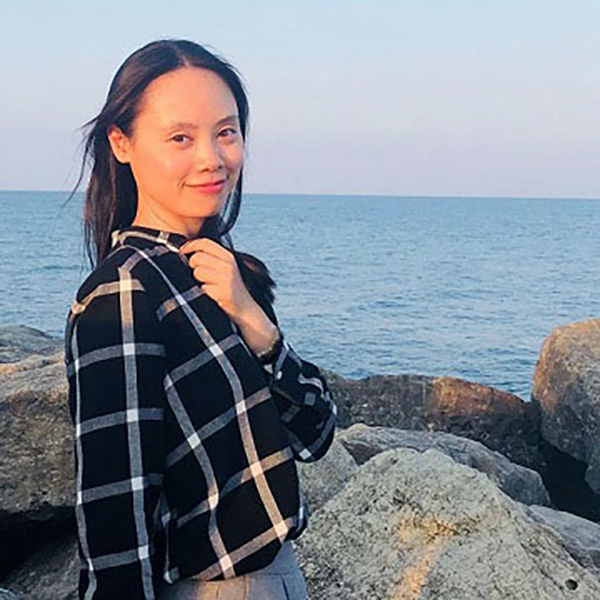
(162, 236)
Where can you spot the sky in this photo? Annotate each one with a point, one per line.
(399, 97)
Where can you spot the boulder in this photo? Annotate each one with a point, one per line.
(36, 441)
(323, 479)
(414, 525)
(52, 573)
(499, 420)
(19, 341)
(522, 484)
(581, 537)
(36, 469)
(566, 386)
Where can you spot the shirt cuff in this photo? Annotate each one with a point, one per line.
(276, 365)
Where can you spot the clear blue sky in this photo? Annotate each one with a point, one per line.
(407, 97)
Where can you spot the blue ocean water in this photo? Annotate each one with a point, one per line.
(467, 287)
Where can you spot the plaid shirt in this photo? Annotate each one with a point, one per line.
(185, 443)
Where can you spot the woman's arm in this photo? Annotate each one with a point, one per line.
(115, 366)
(304, 401)
(300, 391)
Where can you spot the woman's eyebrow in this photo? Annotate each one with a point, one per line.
(228, 118)
(188, 125)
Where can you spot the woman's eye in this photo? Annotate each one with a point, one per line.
(179, 138)
(228, 132)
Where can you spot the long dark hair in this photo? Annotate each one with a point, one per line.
(111, 195)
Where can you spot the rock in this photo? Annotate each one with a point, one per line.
(36, 439)
(414, 525)
(522, 484)
(499, 420)
(36, 469)
(19, 341)
(567, 387)
(52, 573)
(581, 537)
(323, 479)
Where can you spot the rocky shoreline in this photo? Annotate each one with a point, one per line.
(434, 487)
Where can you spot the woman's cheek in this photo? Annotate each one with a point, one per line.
(239, 156)
(175, 164)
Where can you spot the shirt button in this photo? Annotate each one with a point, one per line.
(279, 375)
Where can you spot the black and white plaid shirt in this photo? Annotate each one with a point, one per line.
(185, 443)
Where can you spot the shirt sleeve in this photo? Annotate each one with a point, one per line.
(305, 403)
(115, 365)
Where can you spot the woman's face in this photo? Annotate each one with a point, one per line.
(185, 149)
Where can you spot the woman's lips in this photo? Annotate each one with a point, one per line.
(209, 188)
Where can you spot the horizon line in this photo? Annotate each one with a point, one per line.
(362, 194)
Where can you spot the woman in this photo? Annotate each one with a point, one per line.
(190, 408)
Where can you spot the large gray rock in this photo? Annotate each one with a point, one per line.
(323, 479)
(414, 525)
(52, 573)
(567, 387)
(581, 537)
(19, 341)
(36, 437)
(500, 421)
(522, 484)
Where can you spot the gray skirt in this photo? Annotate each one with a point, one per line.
(280, 580)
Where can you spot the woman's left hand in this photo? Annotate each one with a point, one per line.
(216, 268)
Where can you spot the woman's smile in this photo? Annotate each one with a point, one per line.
(208, 188)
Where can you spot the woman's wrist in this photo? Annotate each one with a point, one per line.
(259, 332)
(271, 353)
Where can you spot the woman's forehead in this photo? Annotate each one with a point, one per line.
(187, 95)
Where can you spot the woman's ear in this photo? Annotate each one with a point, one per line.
(119, 143)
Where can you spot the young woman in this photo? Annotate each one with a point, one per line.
(190, 407)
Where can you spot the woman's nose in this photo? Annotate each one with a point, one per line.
(208, 154)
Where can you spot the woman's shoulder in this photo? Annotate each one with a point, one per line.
(129, 267)
(108, 271)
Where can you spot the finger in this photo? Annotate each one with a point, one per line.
(201, 259)
(207, 246)
(210, 290)
(208, 275)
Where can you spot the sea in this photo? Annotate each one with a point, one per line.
(462, 287)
